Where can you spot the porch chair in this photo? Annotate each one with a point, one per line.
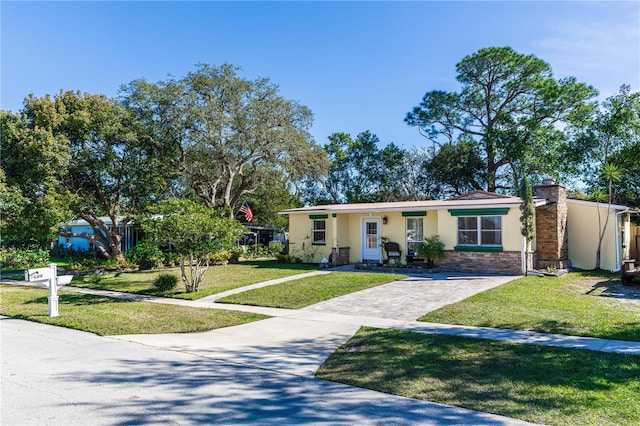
(393, 252)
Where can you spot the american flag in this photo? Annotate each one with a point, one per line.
(248, 213)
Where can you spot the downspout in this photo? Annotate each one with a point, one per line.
(523, 255)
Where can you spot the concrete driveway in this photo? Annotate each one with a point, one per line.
(56, 376)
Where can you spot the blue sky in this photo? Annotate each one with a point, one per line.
(357, 65)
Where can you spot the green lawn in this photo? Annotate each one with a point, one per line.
(538, 384)
(579, 303)
(307, 291)
(107, 316)
(217, 278)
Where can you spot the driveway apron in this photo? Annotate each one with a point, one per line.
(410, 298)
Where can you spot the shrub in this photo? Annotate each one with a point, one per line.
(146, 254)
(95, 278)
(432, 248)
(165, 282)
(13, 258)
(275, 249)
(236, 252)
(220, 257)
(287, 258)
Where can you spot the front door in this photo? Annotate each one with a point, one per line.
(371, 239)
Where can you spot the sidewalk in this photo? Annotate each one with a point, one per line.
(323, 324)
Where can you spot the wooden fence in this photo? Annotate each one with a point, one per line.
(635, 242)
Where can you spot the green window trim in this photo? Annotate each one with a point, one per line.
(481, 249)
(318, 216)
(334, 214)
(414, 214)
(498, 211)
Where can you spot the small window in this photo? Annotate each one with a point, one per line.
(319, 231)
(480, 231)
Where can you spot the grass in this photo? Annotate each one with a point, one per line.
(534, 383)
(307, 291)
(217, 279)
(579, 303)
(107, 316)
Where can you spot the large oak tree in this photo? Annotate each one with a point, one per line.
(104, 171)
(231, 134)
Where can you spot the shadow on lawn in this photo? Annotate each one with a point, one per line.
(272, 264)
(513, 380)
(615, 289)
(75, 299)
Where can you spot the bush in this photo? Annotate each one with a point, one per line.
(171, 259)
(432, 248)
(95, 278)
(91, 262)
(13, 258)
(287, 258)
(146, 254)
(220, 257)
(275, 248)
(165, 282)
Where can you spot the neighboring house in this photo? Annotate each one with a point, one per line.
(81, 227)
(480, 230)
(255, 235)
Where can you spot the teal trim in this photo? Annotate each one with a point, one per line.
(413, 214)
(318, 216)
(482, 249)
(318, 244)
(480, 212)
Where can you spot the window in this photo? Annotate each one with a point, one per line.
(480, 231)
(415, 234)
(319, 231)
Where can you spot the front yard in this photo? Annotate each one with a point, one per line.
(534, 383)
(308, 291)
(217, 279)
(543, 385)
(579, 303)
(108, 316)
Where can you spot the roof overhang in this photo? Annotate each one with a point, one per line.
(406, 206)
(605, 205)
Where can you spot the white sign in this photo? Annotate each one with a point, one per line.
(39, 274)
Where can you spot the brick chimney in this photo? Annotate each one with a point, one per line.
(552, 243)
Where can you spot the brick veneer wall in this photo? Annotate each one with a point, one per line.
(552, 243)
(506, 262)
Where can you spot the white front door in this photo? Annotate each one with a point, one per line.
(371, 239)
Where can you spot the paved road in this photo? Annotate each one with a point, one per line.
(56, 376)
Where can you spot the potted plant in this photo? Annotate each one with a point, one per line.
(432, 249)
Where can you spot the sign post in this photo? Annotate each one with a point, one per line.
(50, 276)
(53, 290)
